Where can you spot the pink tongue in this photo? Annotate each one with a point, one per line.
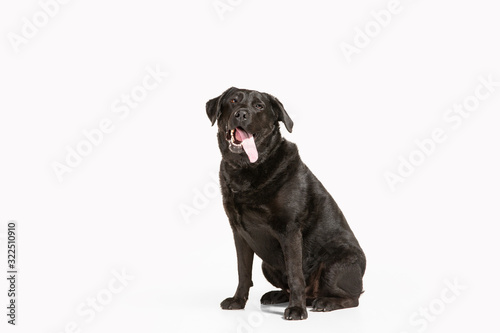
(248, 144)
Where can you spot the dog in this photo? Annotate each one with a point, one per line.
(281, 212)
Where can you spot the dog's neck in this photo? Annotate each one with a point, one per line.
(280, 161)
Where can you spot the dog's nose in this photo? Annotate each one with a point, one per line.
(241, 115)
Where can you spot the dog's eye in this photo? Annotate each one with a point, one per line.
(234, 100)
(259, 106)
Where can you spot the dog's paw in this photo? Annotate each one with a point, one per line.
(295, 313)
(324, 304)
(274, 297)
(233, 303)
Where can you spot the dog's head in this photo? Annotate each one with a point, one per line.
(248, 123)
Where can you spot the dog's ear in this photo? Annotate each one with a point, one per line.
(213, 111)
(213, 106)
(280, 110)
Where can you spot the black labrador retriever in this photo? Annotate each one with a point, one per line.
(280, 211)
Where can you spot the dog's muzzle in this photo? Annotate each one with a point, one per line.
(240, 139)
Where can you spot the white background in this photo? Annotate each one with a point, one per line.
(120, 208)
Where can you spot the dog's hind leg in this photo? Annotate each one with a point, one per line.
(341, 283)
(276, 277)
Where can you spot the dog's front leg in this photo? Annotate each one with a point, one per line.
(291, 244)
(245, 261)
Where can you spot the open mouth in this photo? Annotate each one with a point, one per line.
(234, 137)
(239, 138)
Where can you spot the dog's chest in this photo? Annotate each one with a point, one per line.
(255, 224)
(250, 217)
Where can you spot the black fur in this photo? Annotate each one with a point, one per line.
(280, 211)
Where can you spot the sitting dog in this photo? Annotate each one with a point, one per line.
(280, 211)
